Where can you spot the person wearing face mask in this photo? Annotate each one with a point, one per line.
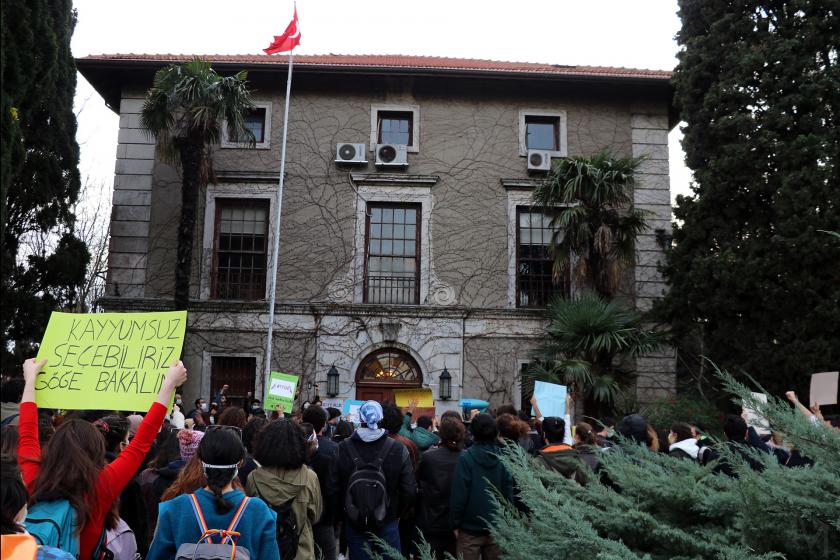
(197, 413)
(212, 414)
(183, 520)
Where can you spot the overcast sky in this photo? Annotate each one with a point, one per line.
(637, 34)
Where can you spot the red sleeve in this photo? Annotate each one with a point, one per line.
(29, 448)
(114, 476)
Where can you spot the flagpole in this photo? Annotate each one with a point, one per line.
(276, 248)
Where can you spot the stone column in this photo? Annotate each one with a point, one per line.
(131, 202)
(656, 371)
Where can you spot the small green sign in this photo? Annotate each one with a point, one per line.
(280, 390)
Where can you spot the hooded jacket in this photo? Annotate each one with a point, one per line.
(423, 438)
(478, 467)
(277, 486)
(565, 460)
(685, 449)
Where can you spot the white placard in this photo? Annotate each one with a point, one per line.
(282, 388)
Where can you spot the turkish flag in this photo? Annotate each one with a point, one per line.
(288, 40)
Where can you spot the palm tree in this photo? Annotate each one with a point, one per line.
(590, 202)
(588, 339)
(185, 110)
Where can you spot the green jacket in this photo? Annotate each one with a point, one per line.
(423, 438)
(278, 486)
(564, 460)
(478, 468)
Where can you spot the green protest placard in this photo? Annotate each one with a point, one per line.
(107, 361)
(280, 389)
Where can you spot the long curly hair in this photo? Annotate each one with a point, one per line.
(281, 444)
(70, 466)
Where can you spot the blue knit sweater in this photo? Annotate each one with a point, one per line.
(177, 525)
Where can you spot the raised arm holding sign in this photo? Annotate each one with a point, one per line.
(74, 462)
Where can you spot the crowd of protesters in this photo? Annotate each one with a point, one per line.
(303, 486)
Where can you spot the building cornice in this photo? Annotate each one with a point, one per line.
(394, 179)
(111, 303)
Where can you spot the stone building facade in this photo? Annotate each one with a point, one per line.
(388, 274)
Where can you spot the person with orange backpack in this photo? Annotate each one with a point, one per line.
(216, 521)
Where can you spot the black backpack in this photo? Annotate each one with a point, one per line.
(366, 499)
(288, 532)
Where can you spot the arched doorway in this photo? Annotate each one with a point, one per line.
(384, 370)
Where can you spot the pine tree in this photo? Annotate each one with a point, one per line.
(758, 84)
(670, 508)
(39, 177)
(676, 508)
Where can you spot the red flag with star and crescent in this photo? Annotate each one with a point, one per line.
(288, 40)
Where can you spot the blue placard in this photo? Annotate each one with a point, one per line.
(351, 411)
(551, 398)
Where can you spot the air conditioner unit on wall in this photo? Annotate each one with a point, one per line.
(391, 155)
(539, 160)
(348, 153)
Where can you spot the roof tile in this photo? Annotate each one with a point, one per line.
(399, 62)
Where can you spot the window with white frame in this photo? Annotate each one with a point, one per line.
(395, 124)
(258, 122)
(542, 130)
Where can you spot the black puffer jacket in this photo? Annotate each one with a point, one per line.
(434, 477)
